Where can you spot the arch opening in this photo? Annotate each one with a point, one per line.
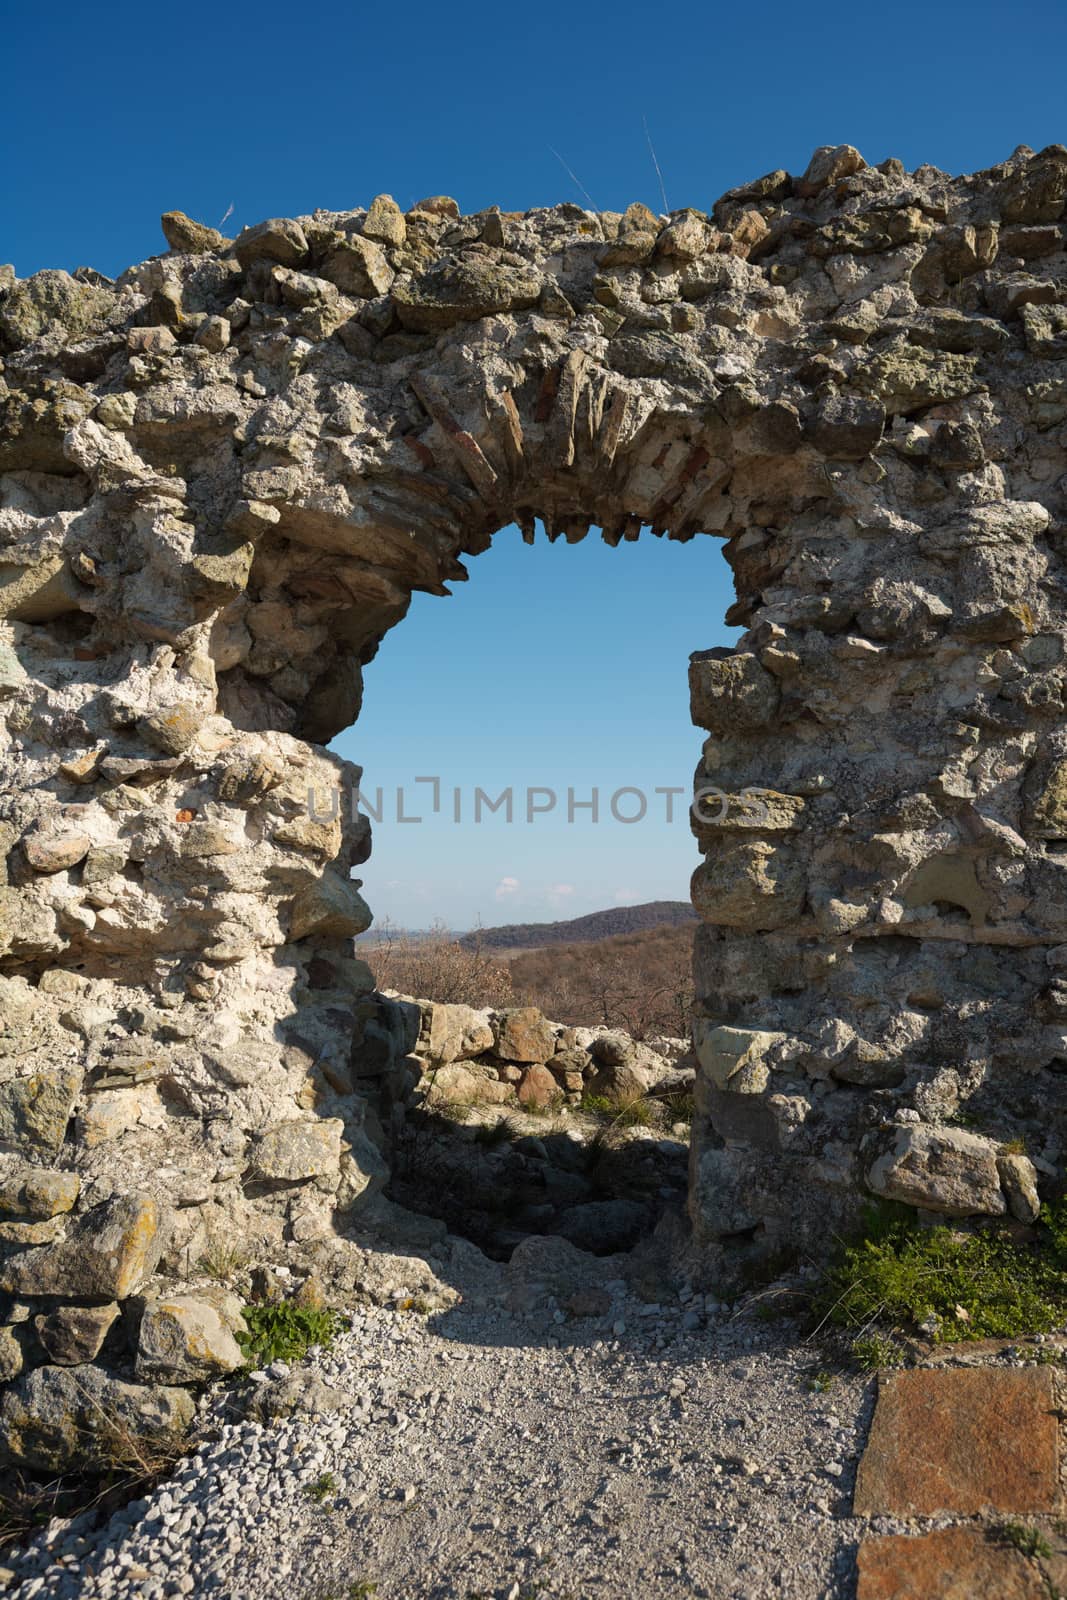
(555, 676)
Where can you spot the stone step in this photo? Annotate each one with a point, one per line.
(963, 1441)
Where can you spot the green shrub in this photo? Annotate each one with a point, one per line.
(1029, 1541)
(951, 1284)
(285, 1332)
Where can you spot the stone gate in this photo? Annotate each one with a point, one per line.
(223, 475)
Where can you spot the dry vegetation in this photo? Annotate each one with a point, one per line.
(640, 982)
(437, 967)
(130, 1464)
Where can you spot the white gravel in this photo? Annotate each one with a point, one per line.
(503, 1449)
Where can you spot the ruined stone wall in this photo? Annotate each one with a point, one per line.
(223, 475)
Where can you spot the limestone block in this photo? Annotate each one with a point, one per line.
(358, 267)
(457, 1084)
(278, 239)
(385, 221)
(909, 378)
(940, 1169)
(733, 1058)
(109, 1115)
(521, 1033)
(455, 1032)
(538, 1087)
(624, 1068)
(332, 908)
(106, 1253)
(1049, 810)
(37, 1192)
(183, 1339)
(463, 289)
(192, 238)
(829, 164)
(296, 1150)
(1037, 191)
(717, 1195)
(12, 673)
(731, 693)
(1018, 1177)
(72, 1335)
(12, 1357)
(49, 301)
(750, 885)
(35, 1111)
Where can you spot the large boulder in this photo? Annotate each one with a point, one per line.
(731, 693)
(752, 885)
(625, 1069)
(332, 908)
(37, 1193)
(538, 1087)
(292, 1151)
(55, 1418)
(907, 378)
(358, 267)
(50, 302)
(187, 236)
(462, 289)
(456, 1084)
(73, 1335)
(278, 239)
(733, 1058)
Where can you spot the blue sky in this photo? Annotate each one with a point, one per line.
(556, 665)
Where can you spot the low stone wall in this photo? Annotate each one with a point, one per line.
(517, 1056)
(588, 1142)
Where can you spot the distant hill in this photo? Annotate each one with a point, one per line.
(582, 930)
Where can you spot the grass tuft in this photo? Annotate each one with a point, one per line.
(633, 1112)
(222, 1261)
(874, 1352)
(323, 1489)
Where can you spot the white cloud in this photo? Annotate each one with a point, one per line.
(560, 891)
(506, 888)
(625, 897)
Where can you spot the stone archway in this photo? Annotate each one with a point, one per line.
(223, 477)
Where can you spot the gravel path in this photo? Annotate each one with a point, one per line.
(508, 1448)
